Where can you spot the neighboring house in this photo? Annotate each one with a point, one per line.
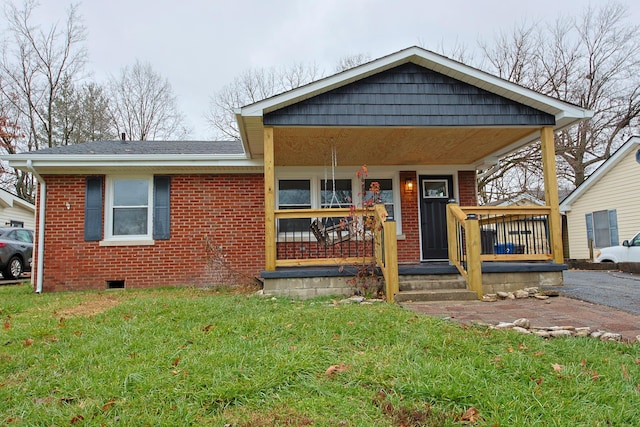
(605, 209)
(15, 211)
(142, 214)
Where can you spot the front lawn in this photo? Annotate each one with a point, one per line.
(169, 357)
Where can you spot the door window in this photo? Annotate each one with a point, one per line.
(435, 188)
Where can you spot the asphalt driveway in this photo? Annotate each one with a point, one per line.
(612, 288)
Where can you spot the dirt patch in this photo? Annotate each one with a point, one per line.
(96, 305)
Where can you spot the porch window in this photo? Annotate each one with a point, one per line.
(294, 194)
(341, 198)
(386, 195)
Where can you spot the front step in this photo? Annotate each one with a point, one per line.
(443, 287)
(436, 295)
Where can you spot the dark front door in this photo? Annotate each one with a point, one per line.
(435, 192)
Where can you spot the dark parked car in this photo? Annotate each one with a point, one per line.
(16, 251)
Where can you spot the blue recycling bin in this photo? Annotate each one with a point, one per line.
(505, 248)
(508, 248)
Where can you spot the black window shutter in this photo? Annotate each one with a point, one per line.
(93, 209)
(161, 207)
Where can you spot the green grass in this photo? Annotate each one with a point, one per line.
(169, 357)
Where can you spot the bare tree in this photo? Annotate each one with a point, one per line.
(252, 86)
(35, 64)
(143, 105)
(592, 61)
(352, 61)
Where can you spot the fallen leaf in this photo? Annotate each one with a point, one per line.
(207, 328)
(594, 375)
(7, 325)
(28, 342)
(108, 405)
(471, 415)
(77, 419)
(175, 362)
(523, 347)
(583, 363)
(538, 354)
(335, 369)
(557, 367)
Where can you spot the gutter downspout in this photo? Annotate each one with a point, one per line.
(42, 204)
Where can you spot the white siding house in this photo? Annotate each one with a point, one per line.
(606, 207)
(16, 211)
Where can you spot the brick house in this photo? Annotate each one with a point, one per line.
(148, 213)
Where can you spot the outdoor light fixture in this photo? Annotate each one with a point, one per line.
(408, 185)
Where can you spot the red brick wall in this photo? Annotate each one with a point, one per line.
(225, 210)
(409, 248)
(467, 189)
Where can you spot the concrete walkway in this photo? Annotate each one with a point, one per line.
(556, 311)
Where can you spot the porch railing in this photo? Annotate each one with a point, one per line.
(386, 251)
(297, 245)
(326, 237)
(486, 233)
(463, 238)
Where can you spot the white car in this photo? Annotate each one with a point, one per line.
(629, 251)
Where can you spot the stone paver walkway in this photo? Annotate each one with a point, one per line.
(556, 311)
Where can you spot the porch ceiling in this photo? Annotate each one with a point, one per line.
(305, 146)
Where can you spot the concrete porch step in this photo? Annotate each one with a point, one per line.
(436, 295)
(425, 283)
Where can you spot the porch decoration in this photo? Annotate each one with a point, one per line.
(331, 231)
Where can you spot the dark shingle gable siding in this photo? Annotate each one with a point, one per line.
(408, 95)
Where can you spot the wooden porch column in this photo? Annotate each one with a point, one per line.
(269, 202)
(551, 192)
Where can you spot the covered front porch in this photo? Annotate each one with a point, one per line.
(486, 249)
(423, 125)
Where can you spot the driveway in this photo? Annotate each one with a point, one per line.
(612, 288)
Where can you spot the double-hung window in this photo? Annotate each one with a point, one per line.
(136, 209)
(130, 199)
(294, 194)
(385, 197)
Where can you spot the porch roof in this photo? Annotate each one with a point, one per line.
(421, 133)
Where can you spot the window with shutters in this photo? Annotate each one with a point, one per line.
(602, 228)
(136, 209)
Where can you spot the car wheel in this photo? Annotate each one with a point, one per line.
(14, 268)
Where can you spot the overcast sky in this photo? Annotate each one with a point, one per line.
(200, 45)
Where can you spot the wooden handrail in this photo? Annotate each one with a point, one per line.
(386, 251)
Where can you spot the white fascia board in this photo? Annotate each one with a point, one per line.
(243, 133)
(82, 161)
(6, 199)
(435, 62)
(625, 149)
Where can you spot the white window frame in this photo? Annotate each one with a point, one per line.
(136, 239)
